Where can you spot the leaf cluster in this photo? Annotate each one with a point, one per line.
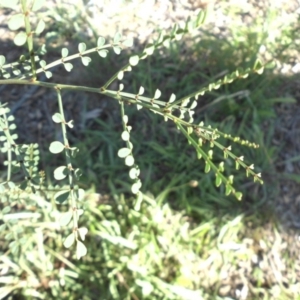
(178, 111)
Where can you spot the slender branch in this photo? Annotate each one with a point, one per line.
(69, 163)
(29, 37)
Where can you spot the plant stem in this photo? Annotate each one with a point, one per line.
(29, 38)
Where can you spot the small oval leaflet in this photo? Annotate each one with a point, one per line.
(103, 53)
(101, 41)
(157, 94)
(20, 39)
(134, 173)
(128, 42)
(61, 196)
(16, 72)
(42, 63)
(86, 60)
(125, 136)
(40, 27)
(80, 250)
(64, 52)
(70, 124)
(60, 173)
(2, 60)
(228, 190)
(194, 104)
(218, 180)
(120, 75)
(6, 210)
(117, 50)
(117, 37)
(16, 22)
(207, 167)
(129, 161)
(134, 60)
(9, 3)
(136, 187)
(48, 74)
(2, 227)
(141, 90)
(149, 49)
(172, 98)
(82, 232)
(56, 147)
(68, 67)
(239, 195)
(81, 47)
(124, 152)
(69, 241)
(37, 5)
(125, 119)
(57, 118)
(65, 218)
(80, 212)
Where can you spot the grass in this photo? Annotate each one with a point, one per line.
(183, 239)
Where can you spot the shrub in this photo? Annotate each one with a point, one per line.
(23, 159)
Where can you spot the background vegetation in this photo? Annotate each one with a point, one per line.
(187, 240)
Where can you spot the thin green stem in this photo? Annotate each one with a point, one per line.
(29, 37)
(66, 59)
(69, 163)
